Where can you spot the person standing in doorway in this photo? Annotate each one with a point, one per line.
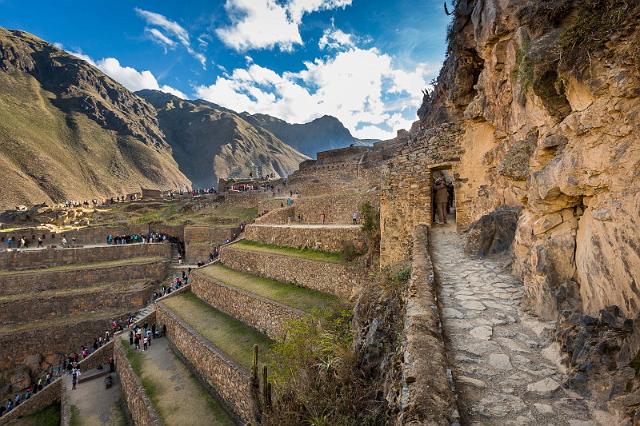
(442, 200)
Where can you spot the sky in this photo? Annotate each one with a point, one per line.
(363, 61)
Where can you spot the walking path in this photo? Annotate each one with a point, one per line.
(505, 364)
(176, 394)
(92, 404)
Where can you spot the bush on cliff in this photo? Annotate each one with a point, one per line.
(370, 217)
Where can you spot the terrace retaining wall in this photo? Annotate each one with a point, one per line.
(340, 279)
(138, 404)
(231, 382)
(325, 239)
(200, 241)
(49, 395)
(38, 308)
(268, 316)
(34, 259)
(45, 279)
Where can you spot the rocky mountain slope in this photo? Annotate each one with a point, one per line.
(210, 141)
(67, 131)
(321, 134)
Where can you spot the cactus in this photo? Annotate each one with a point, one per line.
(265, 385)
(268, 402)
(254, 368)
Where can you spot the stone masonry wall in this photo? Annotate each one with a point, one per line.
(405, 201)
(326, 239)
(47, 396)
(426, 397)
(127, 296)
(263, 314)
(138, 404)
(231, 381)
(33, 259)
(340, 279)
(43, 280)
(200, 241)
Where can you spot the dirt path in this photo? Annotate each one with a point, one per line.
(505, 365)
(177, 395)
(308, 225)
(93, 405)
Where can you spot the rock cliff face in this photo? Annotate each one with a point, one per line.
(211, 142)
(322, 134)
(548, 96)
(67, 131)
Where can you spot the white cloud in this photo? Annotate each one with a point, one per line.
(359, 86)
(173, 33)
(157, 36)
(333, 38)
(129, 77)
(265, 24)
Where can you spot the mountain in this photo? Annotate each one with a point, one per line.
(321, 134)
(210, 141)
(67, 131)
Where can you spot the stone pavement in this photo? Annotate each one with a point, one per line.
(505, 364)
(94, 405)
(307, 225)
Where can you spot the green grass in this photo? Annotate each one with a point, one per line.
(304, 253)
(74, 418)
(136, 358)
(82, 266)
(231, 336)
(288, 294)
(49, 416)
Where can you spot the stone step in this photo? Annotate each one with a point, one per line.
(265, 304)
(219, 348)
(174, 394)
(317, 270)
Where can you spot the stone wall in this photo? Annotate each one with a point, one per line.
(232, 382)
(33, 259)
(338, 208)
(127, 296)
(267, 316)
(340, 279)
(406, 196)
(200, 241)
(427, 396)
(43, 280)
(49, 395)
(138, 404)
(50, 342)
(325, 239)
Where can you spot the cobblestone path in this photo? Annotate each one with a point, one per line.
(505, 364)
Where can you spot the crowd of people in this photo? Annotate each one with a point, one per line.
(151, 237)
(139, 337)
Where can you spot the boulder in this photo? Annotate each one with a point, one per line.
(493, 233)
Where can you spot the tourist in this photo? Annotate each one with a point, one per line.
(74, 377)
(39, 242)
(355, 217)
(144, 343)
(442, 199)
(64, 241)
(323, 218)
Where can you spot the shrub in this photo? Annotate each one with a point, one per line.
(370, 217)
(348, 251)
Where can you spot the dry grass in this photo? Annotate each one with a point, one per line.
(309, 254)
(126, 286)
(74, 319)
(85, 266)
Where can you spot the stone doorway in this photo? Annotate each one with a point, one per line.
(445, 176)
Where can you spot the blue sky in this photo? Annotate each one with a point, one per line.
(363, 61)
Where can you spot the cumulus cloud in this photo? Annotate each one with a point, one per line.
(169, 33)
(129, 77)
(265, 24)
(333, 38)
(361, 87)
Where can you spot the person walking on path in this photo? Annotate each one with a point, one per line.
(355, 216)
(442, 200)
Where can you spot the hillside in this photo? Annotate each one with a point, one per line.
(321, 134)
(210, 142)
(67, 131)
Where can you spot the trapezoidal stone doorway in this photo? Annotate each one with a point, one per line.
(443, 197)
